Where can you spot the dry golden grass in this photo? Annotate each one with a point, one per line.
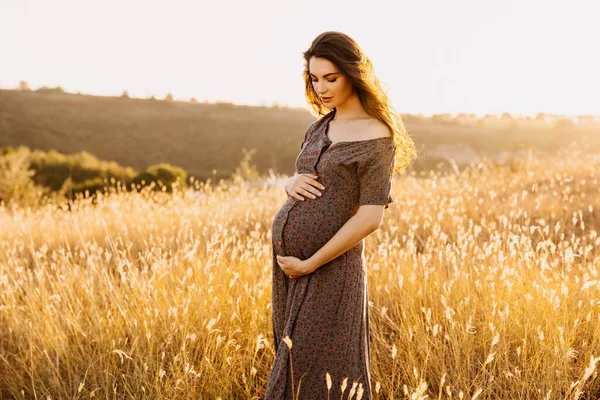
(483, 284)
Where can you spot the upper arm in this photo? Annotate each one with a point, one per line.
(375, 181)
(372, 214)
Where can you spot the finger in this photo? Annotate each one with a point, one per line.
(297, 196)
(312, 180)
(312, 189)
(306, 193)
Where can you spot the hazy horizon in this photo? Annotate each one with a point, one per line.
(433, 57)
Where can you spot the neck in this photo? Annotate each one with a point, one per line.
(350, 109)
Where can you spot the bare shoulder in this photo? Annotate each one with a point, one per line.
(376, 129)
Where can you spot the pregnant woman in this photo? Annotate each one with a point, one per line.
(345, 166)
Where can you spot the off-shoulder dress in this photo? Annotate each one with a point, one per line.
(325, 313)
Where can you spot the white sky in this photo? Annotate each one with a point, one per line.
(434, 56)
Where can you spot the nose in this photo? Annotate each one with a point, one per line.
(321, 88)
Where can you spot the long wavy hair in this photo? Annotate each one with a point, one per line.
(343, 51)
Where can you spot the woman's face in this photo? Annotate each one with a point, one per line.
(332, 87)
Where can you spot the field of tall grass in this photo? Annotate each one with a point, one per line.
(483, 283)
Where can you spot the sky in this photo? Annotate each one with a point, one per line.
(432, 56)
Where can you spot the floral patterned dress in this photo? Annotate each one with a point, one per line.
(325, 313)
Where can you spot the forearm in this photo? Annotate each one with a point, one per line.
(349, 235)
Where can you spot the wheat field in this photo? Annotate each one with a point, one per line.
(483, 284)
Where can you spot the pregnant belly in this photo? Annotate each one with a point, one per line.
(302, 228)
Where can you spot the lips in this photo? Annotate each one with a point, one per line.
(326, 98)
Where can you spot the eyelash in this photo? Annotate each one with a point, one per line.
(313, 80)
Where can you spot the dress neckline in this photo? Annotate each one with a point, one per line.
(328, 141)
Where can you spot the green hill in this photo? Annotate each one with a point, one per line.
(139, 133)
(201, 137)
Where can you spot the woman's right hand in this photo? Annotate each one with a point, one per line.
(303, 185)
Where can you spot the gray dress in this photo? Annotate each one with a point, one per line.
(325, 313)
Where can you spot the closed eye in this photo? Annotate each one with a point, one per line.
(315, 80)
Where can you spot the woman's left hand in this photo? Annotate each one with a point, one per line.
(294, 267)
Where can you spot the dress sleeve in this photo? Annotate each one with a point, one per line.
(375, 177)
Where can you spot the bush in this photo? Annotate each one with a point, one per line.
(7, 150)
(52, 169)
(144, 179)
(91, 185)
(15, 177)
(167, 174)
(23, 170)
(246, 170)
(49, 90)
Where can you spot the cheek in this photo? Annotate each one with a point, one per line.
(335, 87)
(345, 87)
